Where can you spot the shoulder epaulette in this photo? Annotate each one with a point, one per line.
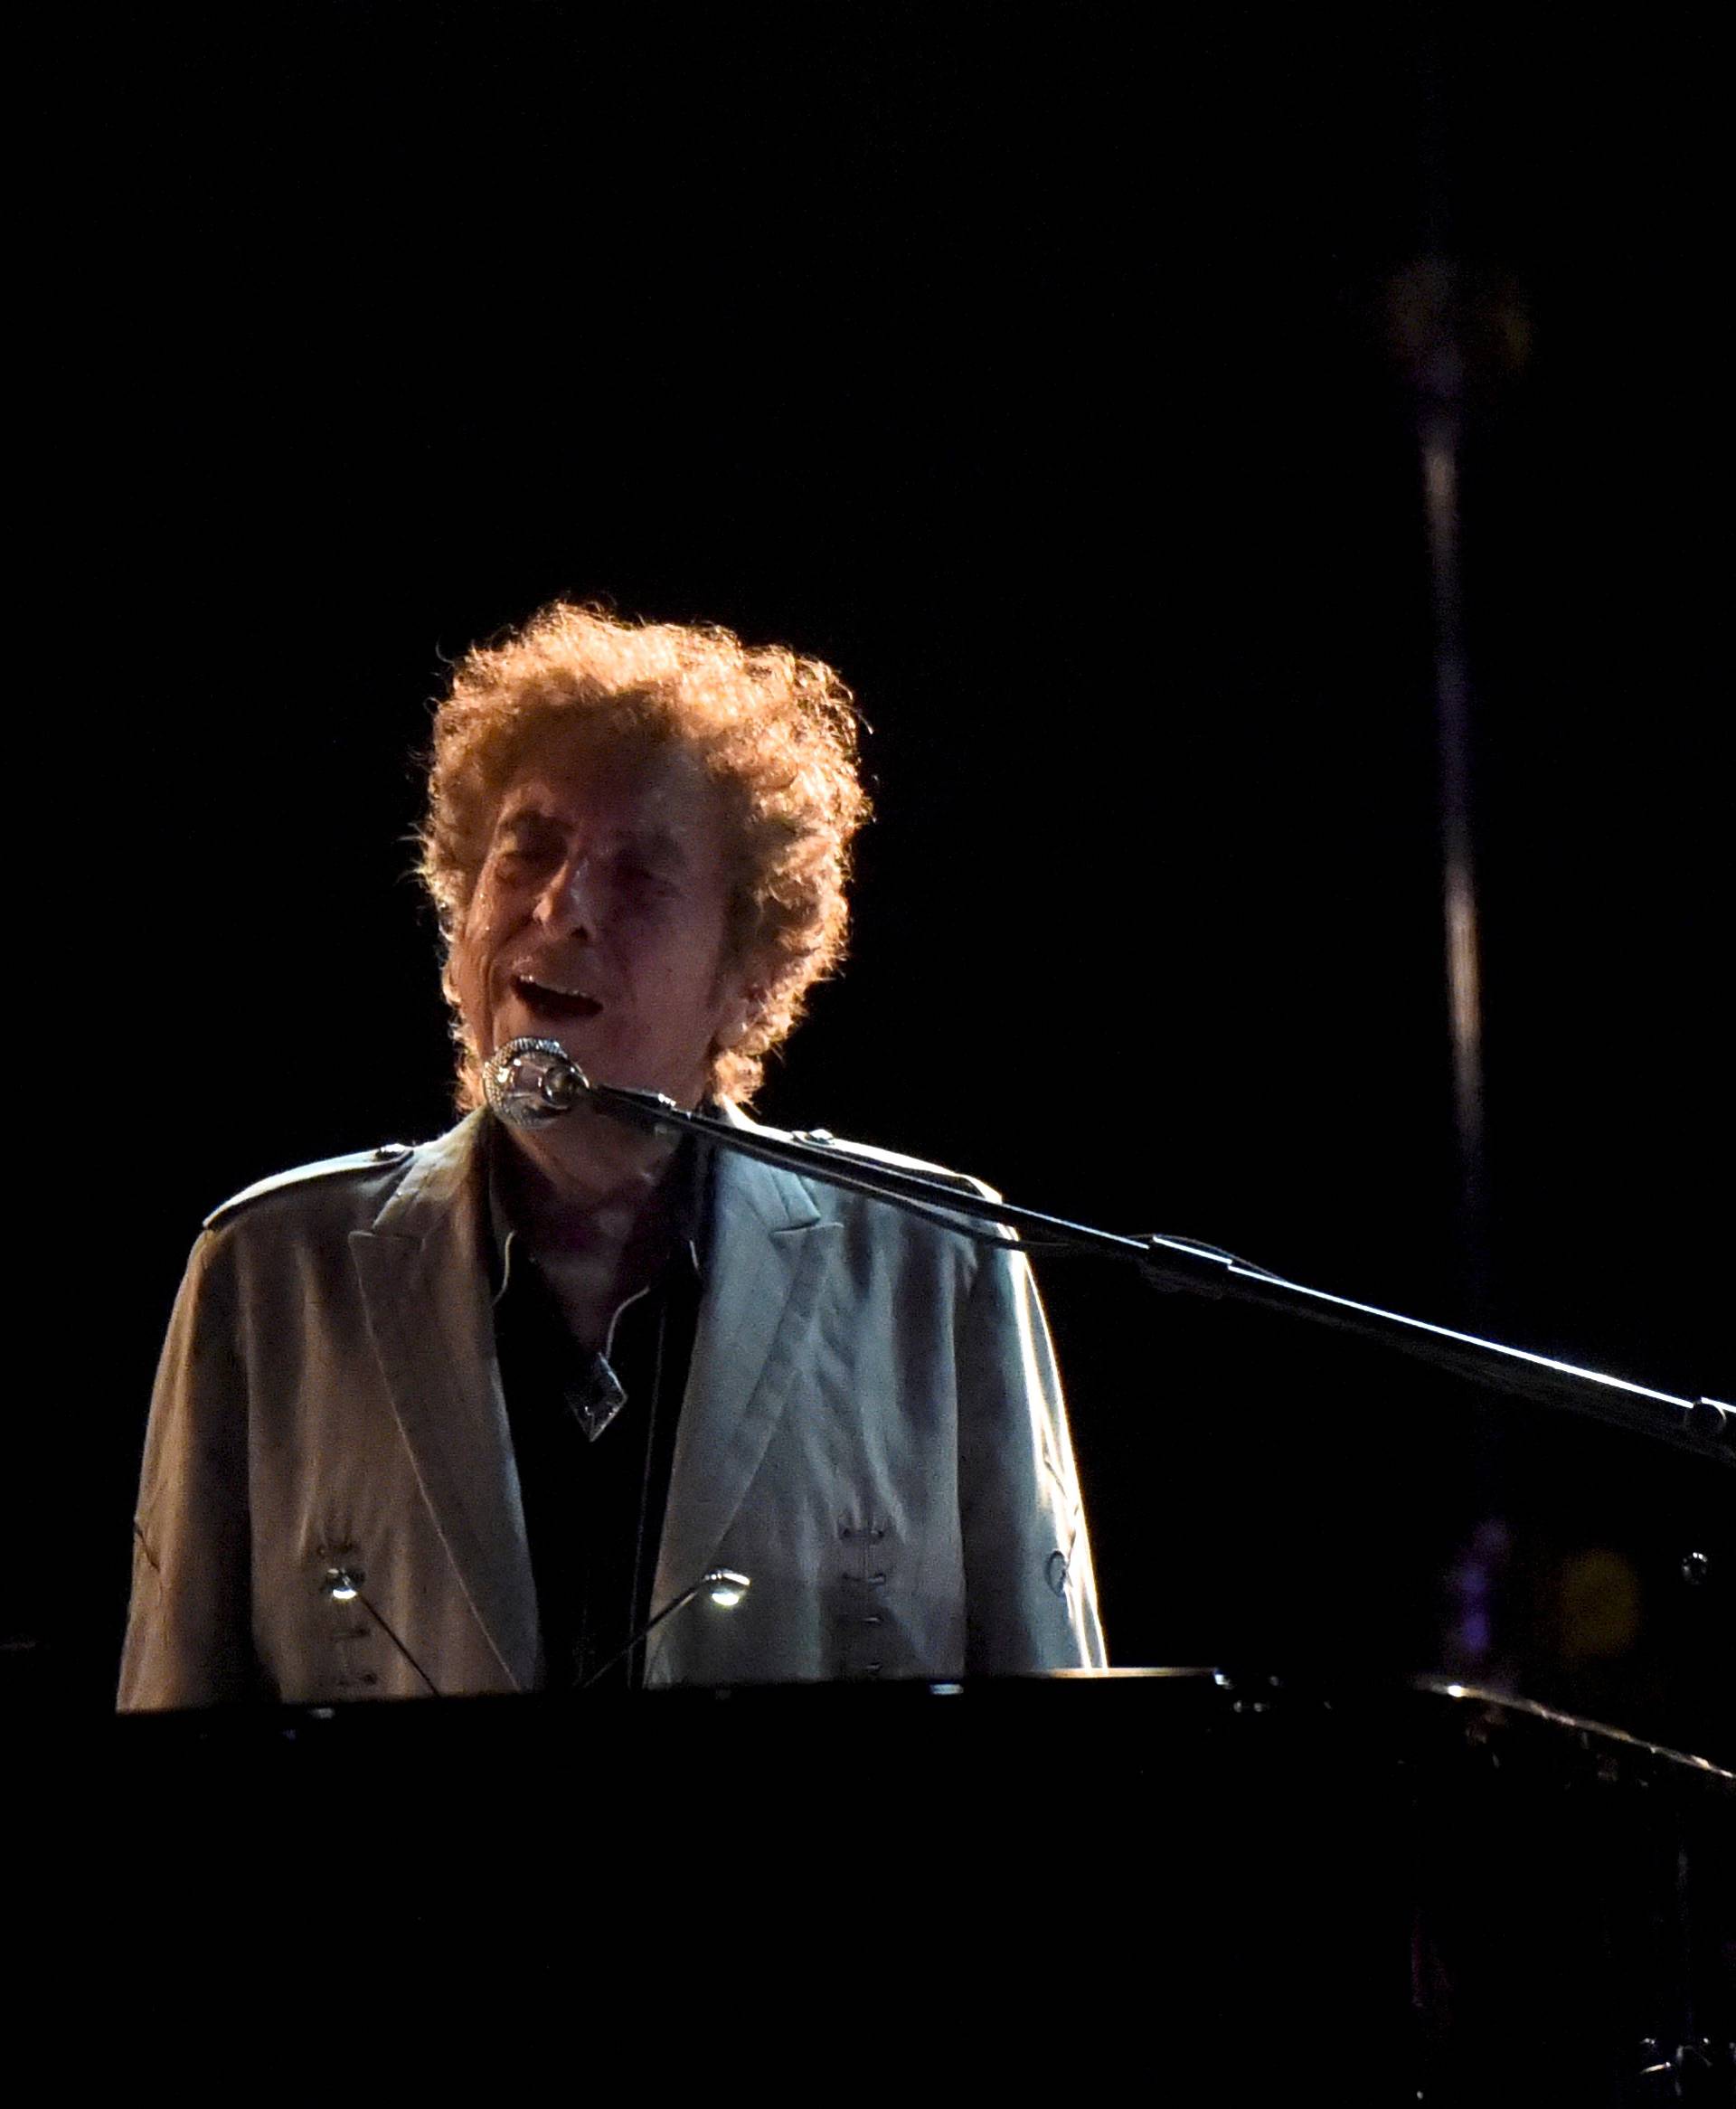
(894, 1159)
(327, 1167)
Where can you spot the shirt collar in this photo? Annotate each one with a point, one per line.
(690, 1198)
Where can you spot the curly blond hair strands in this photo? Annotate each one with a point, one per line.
(777, 735)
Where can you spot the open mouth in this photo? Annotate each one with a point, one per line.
(565, 1005)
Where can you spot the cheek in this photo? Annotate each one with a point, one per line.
(466, 970)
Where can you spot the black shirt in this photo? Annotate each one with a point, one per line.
(594, 1439)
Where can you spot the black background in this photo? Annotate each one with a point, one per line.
(1029, 366)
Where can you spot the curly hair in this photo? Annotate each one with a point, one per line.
(776, 735)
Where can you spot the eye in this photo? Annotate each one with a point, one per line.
(522, 844)
(646, 882)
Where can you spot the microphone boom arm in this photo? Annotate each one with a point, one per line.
(530, 1082)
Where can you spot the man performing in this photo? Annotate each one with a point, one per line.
(466, 1417)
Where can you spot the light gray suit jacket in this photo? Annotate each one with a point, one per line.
(872, 1431)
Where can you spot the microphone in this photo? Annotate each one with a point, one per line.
(529, 1083)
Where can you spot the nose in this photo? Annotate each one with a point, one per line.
(570, 905)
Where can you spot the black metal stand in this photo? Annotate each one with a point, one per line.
(534, 1081)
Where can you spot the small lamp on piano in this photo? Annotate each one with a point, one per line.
(727, 1587)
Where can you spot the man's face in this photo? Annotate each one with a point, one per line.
(600, 920)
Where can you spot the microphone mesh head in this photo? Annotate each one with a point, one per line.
(528, 1081)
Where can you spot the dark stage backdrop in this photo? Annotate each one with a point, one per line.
(1035, 375)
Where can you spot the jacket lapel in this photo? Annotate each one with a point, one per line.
(769, 1251)
(424, 1282)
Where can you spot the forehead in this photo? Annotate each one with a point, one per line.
(635, 792)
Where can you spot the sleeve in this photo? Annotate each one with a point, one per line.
(189, 1625)
(1030, 1591)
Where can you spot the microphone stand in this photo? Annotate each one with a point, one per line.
(530, 1082)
